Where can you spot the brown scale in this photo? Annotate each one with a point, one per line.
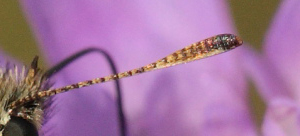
(202, 49)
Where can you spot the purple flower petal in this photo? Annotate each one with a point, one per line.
(262, 73)
(201, 98)
(283, 115)
(282, 45)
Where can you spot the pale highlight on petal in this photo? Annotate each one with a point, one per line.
(282, 118)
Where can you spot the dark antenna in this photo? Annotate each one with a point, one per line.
(67, 61)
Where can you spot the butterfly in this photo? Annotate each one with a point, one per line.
(24, 93)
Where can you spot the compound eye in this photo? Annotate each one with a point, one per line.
(17, 126)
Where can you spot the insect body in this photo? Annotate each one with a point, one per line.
(22, 95)
(17, 84)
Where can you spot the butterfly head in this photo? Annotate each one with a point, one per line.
(16, 84)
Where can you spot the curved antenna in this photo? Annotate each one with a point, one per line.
(199, 50)
(70, 59)
(53, 70)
